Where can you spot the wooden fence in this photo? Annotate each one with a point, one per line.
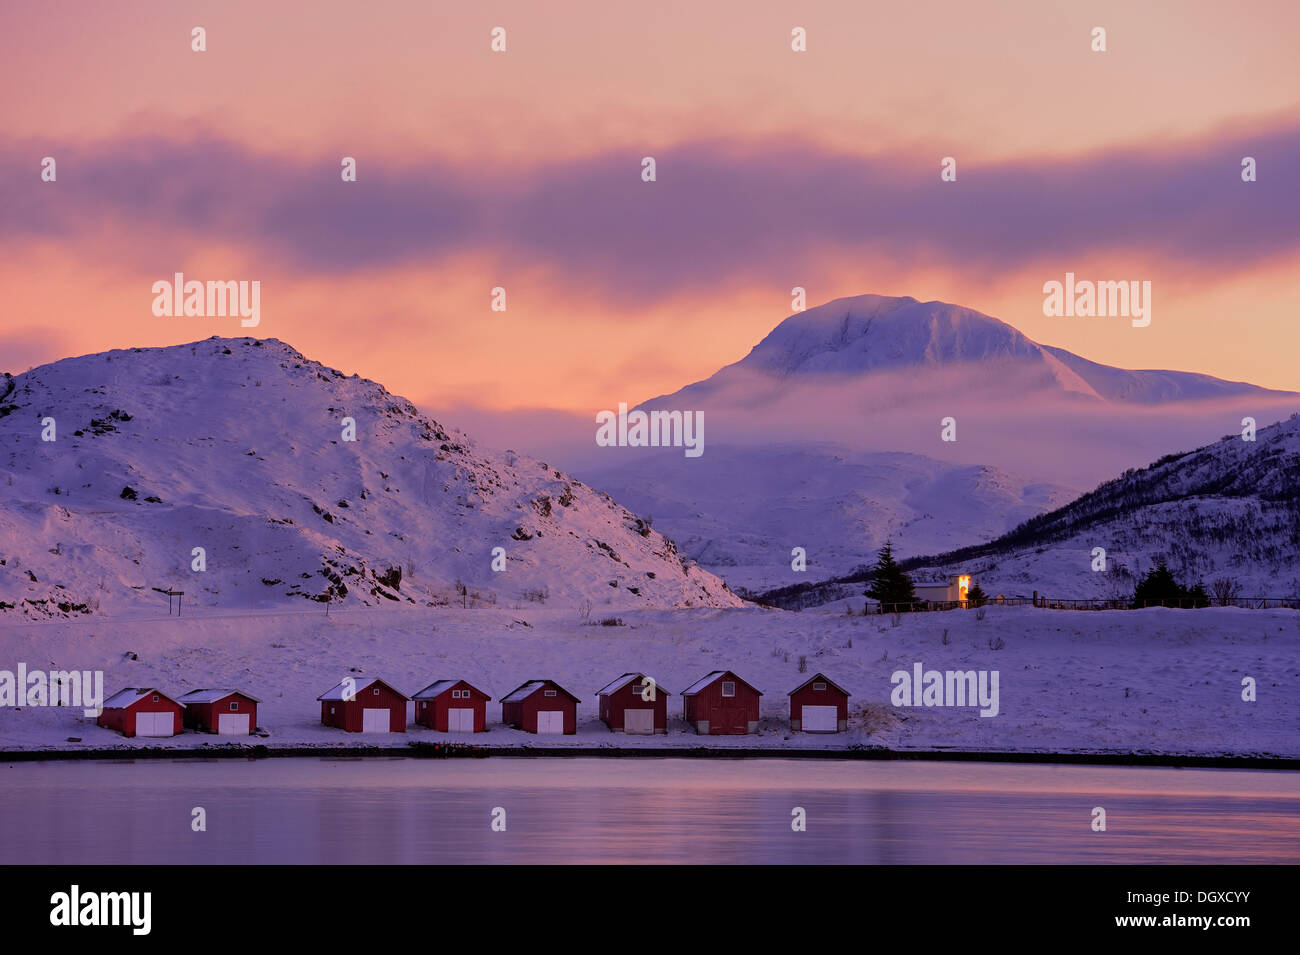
(1056, 603)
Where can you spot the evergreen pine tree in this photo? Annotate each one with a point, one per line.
(1159, 586)
(889, 584)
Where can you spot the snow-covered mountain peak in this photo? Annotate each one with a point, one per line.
(857, 341)
(872, 332)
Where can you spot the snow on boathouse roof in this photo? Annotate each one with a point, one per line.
(822, 678)
(337, 693)
(211, 696)
(132, 695)
(627, 678)
(717, 675)
(438, 687)
(525, 690)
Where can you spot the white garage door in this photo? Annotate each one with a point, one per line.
(821, 719)
(376, 721)
(232, 724)
(460, 720)
(154, 724)
(639, 721)
(550, 722)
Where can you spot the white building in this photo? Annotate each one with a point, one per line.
(955, 589)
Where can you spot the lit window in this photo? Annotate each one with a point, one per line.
(728, 688)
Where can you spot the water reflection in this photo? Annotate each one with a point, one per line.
(639, 811)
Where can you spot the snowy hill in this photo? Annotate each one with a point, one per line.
(237, 446)
(827, 436)
(740, 510)
(1227, 511)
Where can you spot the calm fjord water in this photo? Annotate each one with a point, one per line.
(367, 810)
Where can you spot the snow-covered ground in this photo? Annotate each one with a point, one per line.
(1150, 681)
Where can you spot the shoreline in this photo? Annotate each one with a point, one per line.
(424, 750)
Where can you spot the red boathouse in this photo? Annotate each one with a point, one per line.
(225, 712)
(452, 706)
(721, 704)
(364, 706)
(141, 711)
(819, 706)
(634, 703)
(541, 706)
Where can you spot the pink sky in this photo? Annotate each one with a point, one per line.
(521, 170)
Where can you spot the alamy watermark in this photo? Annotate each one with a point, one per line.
(211, 299)
(84, 688)
(653, 429)
(75, 907)
(1086, 299)
(924, 687)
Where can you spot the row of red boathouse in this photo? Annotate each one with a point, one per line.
(720, 703)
